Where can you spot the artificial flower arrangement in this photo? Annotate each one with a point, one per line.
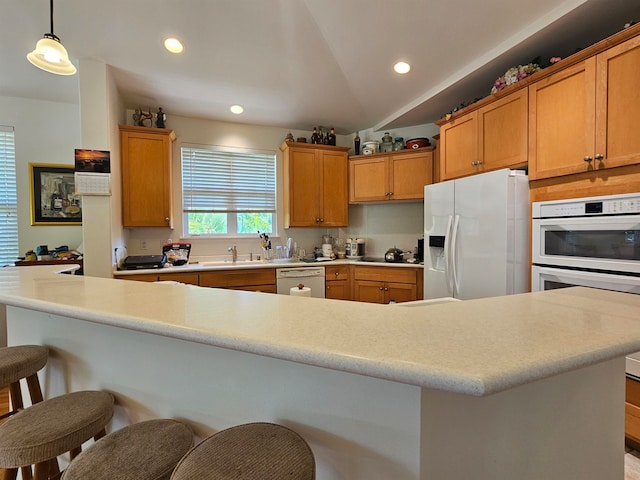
(513, 75)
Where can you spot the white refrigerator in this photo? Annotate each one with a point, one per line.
(476, 236)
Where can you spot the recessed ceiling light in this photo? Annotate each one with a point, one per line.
(173, 45)
(402, 67)
(237, 109)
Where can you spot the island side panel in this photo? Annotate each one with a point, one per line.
(358, 427)
(569, 426)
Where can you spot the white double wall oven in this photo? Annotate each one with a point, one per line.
(592, 242)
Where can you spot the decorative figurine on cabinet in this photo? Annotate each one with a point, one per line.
(140, 117)
(160, 118)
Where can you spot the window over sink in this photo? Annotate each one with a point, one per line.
(8, 197)
(228, 191)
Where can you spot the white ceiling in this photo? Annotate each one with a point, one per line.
(299, 63)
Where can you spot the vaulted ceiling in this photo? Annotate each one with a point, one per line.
(300, 63)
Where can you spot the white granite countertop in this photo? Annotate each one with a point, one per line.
(474, 347)
(199, 266)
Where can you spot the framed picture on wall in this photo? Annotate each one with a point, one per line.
(53, 198)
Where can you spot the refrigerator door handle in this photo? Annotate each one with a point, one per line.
(454, 258)
(447, 257)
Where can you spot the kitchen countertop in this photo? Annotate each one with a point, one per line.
(205, 265)
(474, 347)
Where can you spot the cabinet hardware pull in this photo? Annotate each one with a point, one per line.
(321, 220)
(599, 156)
(166, 219)
(588, 159)
(381, 288)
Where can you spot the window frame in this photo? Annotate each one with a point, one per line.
(232, 214)
(8, 197)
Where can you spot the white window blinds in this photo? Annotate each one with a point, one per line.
(8, 200)
(220, 179)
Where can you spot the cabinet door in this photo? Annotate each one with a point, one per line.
(503, 135)
(304, 190)
(368, 179)
(368, 291)
(562, 122)
(338, 290)
(400, 292)
(408, 174)
(334, 190)
(146, 178)
(459, 147)
(617, 106)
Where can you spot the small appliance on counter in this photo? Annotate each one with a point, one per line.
(177, 252)
(140, 262)
(354, 248)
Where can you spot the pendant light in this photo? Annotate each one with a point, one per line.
(50, 55)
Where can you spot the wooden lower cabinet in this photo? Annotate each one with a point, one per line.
(255, 279)
(337, 284)
(385, 284)
(632, 413)
(141, 277)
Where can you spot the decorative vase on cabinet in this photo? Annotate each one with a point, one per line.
(316, 189)
(146, 176)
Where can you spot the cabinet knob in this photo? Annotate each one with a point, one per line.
(381, 289)
(166, 219)
(321, 220)
(599, 156)
(337, 274)
(588, 159)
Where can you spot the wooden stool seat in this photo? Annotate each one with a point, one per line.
(22, 362)
(38, 434)
(143, 451)
(253, 451)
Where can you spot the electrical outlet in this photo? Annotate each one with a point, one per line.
(143, 244)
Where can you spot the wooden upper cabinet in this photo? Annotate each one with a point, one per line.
(146, 176)
(584, 118)
(399, 176)
(490, 138)
(618, 104)
(562, 122)
(315, 185)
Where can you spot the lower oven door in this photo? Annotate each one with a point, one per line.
(549, 278)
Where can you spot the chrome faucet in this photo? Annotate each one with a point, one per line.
(234, 253)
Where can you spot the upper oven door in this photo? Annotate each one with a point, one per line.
(599, 243)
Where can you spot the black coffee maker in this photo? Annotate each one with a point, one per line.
(420, 254)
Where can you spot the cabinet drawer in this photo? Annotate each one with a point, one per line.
(188, 278)
(336, 272)
(143, 277)
(386, 274)
(238, 278)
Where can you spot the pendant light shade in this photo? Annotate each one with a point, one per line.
(50, 55)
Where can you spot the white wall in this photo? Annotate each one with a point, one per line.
(45, 132)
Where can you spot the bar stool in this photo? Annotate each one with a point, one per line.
(16, 363)
(253, 451)
(146, 450)
(38, 434)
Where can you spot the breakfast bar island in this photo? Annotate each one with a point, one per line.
(526, 386)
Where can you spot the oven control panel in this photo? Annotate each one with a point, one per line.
(581, 207)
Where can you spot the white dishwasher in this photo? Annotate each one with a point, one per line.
(312, 277)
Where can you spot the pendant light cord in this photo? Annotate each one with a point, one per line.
(51, 10)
